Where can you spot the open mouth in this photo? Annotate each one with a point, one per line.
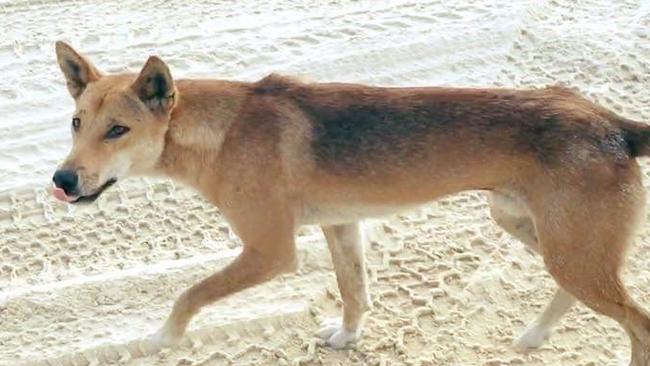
(87, 198)
(92, 197)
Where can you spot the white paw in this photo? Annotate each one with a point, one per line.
(335, 334)
(163, 338)
(533, 337)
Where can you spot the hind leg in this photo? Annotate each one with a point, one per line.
(583, 239)
(513, 218)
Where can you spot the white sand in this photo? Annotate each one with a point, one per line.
(84, 286)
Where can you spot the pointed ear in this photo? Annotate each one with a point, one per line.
(77, 70)
(155, 86)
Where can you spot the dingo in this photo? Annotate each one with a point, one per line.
(279, 153)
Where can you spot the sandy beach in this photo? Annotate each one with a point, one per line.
(86, 285)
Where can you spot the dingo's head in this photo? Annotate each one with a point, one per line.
(118, 126)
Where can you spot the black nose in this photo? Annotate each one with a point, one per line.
(66, 180)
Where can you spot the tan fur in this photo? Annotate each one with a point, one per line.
(280, 153)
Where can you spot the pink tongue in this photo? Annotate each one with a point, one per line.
(60, 195)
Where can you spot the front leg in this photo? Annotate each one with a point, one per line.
(269, 250)
(346, 248)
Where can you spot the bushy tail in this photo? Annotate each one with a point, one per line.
(637, 137)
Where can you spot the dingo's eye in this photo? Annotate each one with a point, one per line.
(76, 123)
(116, 131)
